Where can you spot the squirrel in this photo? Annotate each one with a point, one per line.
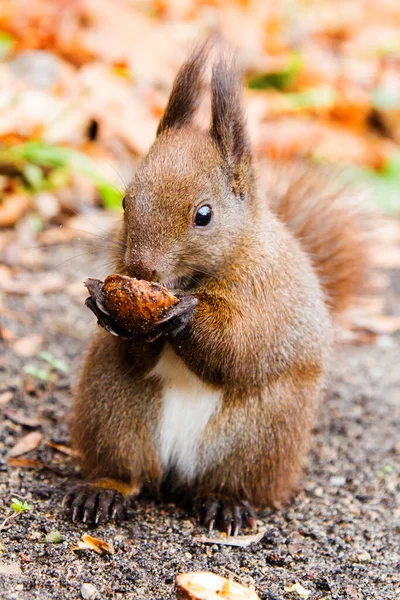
(218, 407)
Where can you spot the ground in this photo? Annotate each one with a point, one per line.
(339, 538)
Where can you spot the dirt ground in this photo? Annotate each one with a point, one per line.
(339, 538)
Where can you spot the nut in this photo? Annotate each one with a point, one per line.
(136, 304)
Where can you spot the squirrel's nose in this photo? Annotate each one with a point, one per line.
(142, 269)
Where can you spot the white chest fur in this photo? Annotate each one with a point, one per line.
(187, 405)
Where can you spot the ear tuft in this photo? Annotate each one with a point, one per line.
(186, 90)
(228, 123)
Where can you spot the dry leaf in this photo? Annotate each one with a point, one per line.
(27, 346)
(33, 463)
(50, 282)
(355, 337)
(64, 449)
(6, 334)
(387, 257)
(299, 589)
(91, 543)
(27, 463)
(77, 291)
(29, 442)
(5, 397)
(118, 107)
(12, 208)
(379, 324)
(204, 585)
(241, 541)
(59, 235)
(18, 417)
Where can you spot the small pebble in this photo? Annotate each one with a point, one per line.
(364, 556)
(337, 481)
(89, 592)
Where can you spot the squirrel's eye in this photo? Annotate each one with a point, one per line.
(203, 216)
(123, 203)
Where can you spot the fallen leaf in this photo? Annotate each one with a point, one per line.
(203, 585)
(64, 449)
(356, 336)
(387, 258)
(25, 558)
(241, 541)
(29, 442)
(59, 235)
(5, 397)
(91, 543)
(6, 334)
(18, 417)
(101, 223)
(12, 208)
(28, 345)
(77, 291)
(379, 324)
(50, 282)
(299, 589)
(33, 463)
(120, 109)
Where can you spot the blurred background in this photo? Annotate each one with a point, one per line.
(84, 82)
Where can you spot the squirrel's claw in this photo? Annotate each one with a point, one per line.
(229, 515)
(106, 321)
(108, 500)
(175, 320)
(95, 505)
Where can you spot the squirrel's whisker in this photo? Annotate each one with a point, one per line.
(72, 258)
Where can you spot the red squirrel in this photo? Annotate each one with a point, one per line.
(219, 405)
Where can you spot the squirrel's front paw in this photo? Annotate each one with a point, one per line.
(226, 514)
(94, 504)
(97, 304)
(129, 308)
(175, 320)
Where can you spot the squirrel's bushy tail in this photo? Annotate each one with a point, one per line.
(333, 223)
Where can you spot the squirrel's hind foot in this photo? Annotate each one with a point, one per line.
(227, 514)
(95, 503)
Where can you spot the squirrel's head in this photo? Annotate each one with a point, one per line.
(190, 203)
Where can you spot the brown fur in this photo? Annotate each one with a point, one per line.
(186, 91)
(261, 331)
(332, 222)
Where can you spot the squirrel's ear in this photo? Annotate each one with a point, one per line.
(186, 90)
(228, 123)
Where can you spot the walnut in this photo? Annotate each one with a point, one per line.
(135, 305)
